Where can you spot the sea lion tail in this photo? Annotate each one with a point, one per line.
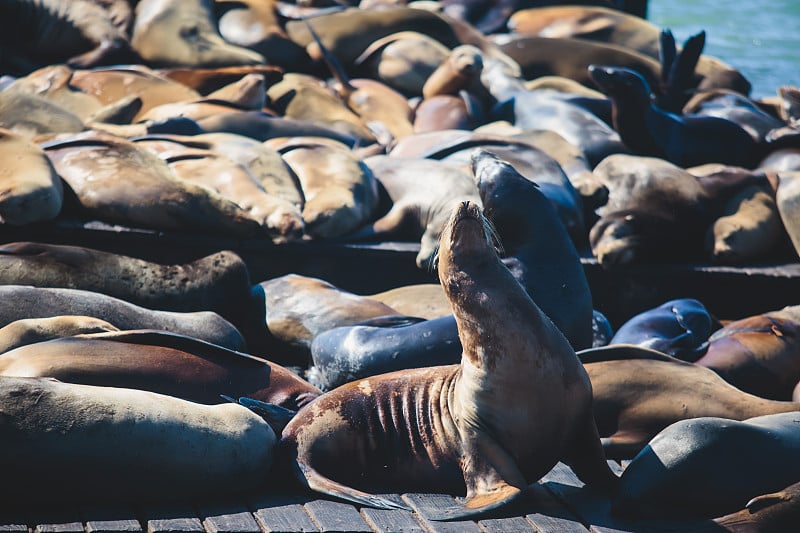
(317, 482)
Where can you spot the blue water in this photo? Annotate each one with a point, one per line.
(760, 38)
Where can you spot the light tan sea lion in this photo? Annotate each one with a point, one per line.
(425, 300)
(30, 115)
(115, 439)
(34, 330)
(31, 190)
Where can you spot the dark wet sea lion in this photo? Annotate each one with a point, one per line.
(735, 107)
(218, 282)
(115, 439)
(481, 423)
(166, 363)
(679, 328)
(686, 140)
(21, 301)
(31, 190)
(710, 466)
(758, 354)
(639, 392)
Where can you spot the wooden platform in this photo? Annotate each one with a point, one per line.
(558, 503)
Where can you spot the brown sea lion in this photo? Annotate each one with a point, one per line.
(115, 439)
(788, 199)
(33, 330)
(442, 112)
(160, 362)
(426, 300)
(53, 82)
(117, 181)
(31, 190)
(181, 33)
(30, 115)
(340, 191)
(710, 466)
(23, 301)
(218, 282)
(639, 392)
(758, 354)
(460, 70)
(480, 423)
(208, 80)
(768, 513)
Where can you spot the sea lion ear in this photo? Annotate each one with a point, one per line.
(274, 415)
(767, 500)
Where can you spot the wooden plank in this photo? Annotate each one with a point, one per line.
(228, 517)
(14, 520)
(48, 519)
(111, 519)
(503, 525)
(336, 517)
(395, 520)
(424, 504)
(550, 515)
(59, 527)
(279, 513)
(177, 518)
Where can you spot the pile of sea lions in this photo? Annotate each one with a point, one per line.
(507, 142)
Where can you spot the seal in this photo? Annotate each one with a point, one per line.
(426, 300)
(21, 301)
(162, 362)
(30, 115)
(170, 33)
(757, 354)
(639, 392)
(481, 423)
(115, 439)
(117, 181)
(679, 328)
(770, 513)
(710, 466)
(218, 282)
(32, 330)
(32, 191)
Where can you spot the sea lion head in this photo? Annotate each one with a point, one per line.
(621, 83)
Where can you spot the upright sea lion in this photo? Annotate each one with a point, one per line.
(182, 33)
(218, 282)
(31, 190)
(758, 354)
(639, 392)
(20, 301)
(482, 423)
(116, 439)
(679, 328)
(162, 362)
(710, 466)
(33, 330)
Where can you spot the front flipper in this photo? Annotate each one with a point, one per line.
(316, 481)
(492, 477)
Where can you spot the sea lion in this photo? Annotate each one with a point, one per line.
(426, 300)
(53, 83)
(208, 80)
(735, 107)
(679, 328)
(758, 354)
(21, 301)
(686, 140)
(420, 205)
(218, 282)
(32, 330)
(262, 126)
(766, 513)
(81, 33)
(116, 181)
(170, 33)
(710, 466)
(443, 112)
(340, 191)
(788, 200)
(162, 362)
(32, 191)
(460, 70)
(116, 439)
(30, 115)
(639, 392)
(480, 423)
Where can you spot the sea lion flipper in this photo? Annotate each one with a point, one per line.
(587, 458)
(767, 500)
(623, 444)
(316, 481)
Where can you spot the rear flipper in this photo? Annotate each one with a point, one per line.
(316, 481)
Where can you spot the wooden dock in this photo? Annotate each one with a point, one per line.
(558, 503)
